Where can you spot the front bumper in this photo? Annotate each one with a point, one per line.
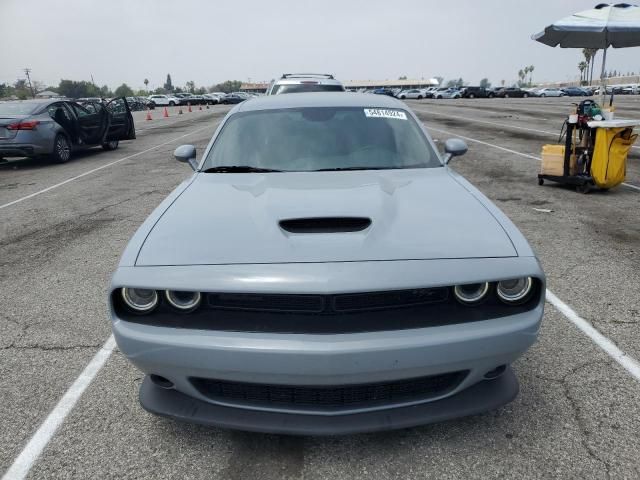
(481, 397)
(328, 360)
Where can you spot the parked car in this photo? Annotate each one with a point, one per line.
(574, 91)
(413, 93)
(511, 92)
(429, 92)
(232, 98)
(165, 100)
(630, 90)
(185, 98)
(198, 100)
(384, 91)
(551, 92)
(445, 92)
(326, 298)
(146, 102)
(56, 128)
(491, 92)
(211, 99)
(135, 105)
(305, 82)
(474, 92)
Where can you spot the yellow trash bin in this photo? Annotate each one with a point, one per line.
(609, 162)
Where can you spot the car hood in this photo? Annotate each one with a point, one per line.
(235, 219)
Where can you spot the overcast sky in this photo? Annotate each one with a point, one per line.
(209, 41)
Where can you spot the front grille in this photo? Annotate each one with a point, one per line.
(268, 302)
(328, 304)
(391, 299)
(329, 397)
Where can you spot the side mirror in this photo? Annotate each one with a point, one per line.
(186, 154)
(454, 147)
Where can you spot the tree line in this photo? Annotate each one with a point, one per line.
(82, 89)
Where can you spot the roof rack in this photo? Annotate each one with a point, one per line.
(325, 75)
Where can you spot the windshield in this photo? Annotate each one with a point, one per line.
(311, 139)
(306, 87)
(18, 108)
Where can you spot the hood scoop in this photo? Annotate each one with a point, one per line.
(325, 224)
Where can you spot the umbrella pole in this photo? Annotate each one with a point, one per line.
(603, 88)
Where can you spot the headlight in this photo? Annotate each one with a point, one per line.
(471, 293)
(140, 300)
(515, 291)
(183, 301)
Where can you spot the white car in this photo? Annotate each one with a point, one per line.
(551, 92)
(447, 93)
(413, 93)
(164, 100)
(305, 82)
(211, 99)
(430, 91)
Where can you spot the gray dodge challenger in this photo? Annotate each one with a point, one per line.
(324, 271)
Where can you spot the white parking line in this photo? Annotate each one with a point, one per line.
(30, 453)
(89, 172)
(629, 363)
(498, 147)
(476, 120)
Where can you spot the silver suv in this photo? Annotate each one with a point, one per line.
(305, 82)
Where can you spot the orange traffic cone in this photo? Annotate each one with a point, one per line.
(180, 111)
(166, 113)
(189, 107)
(148, 115)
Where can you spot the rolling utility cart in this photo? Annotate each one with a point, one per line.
(594, 153)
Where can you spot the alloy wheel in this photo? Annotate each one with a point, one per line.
(63, 151)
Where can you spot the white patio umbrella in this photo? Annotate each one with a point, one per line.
(604, 26)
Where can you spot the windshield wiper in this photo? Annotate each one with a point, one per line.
(340, 169)
(238, 169)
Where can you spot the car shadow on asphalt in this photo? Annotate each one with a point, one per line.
(43, 162)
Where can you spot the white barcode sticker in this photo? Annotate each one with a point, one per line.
(381, 113)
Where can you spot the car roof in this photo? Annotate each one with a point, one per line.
(319, 99)
(40, 101)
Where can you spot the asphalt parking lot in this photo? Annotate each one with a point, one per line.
(63, 228)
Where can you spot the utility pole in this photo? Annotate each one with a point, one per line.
(27, 71)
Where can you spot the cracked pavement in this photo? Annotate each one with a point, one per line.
(577, 414)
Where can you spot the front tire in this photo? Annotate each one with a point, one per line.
(61, 149)
(526, 95)
(543, 95)
(172, 104)
(112, 145)
(471, 95)
(506, 95)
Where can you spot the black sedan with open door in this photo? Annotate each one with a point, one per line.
(57, 128)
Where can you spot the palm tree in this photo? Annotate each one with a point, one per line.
(146, 84)
(582, 66)
(521, 74)
(531, 69)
